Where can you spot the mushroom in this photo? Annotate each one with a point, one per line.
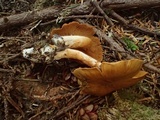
(78, 36)
(71, 41)
(77, 55)
(110, 76)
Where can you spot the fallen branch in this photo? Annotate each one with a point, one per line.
(53, 12)
(128, 4)
(95, 3)
(28, 17)
(131, 26)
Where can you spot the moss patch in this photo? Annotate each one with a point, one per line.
(126, 108)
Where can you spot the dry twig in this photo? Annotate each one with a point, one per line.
(41, 112)
(74, 104)
(53, 12)
(131, 26)
(9, 58)
(6, 70)
(96, 4)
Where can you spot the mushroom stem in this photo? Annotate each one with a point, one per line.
(78, 55)
(71, 41)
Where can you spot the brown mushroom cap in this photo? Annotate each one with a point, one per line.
(94, 49)
(110, 77)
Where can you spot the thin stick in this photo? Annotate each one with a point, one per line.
(41, 112)
(96, 4)
(53, 12)
(151, 67)
(53, 98)
(71, 17)
(6, 70)
(74, 104)
(131, 26)
(9, 58)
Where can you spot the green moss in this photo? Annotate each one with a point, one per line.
(130, 44)
(132, 93)
(126, 108)
(142, 112)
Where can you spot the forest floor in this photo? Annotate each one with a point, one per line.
(24, 84)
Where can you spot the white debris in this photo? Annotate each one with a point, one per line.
(46, 49)
(43, 54)
(1, 45)
(27, 52)
(110, 34)
(57, 40)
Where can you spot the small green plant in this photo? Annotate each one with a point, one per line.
(130, 44)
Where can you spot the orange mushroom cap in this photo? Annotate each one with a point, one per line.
(110, 77)
(93, 49)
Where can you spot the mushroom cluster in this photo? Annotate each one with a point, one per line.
(80, 43)
(77, 41)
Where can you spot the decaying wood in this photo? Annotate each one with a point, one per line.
(28, 17)
(122, 4)
(53, 12)
(131, 26)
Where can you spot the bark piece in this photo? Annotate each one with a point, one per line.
(53, 12)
